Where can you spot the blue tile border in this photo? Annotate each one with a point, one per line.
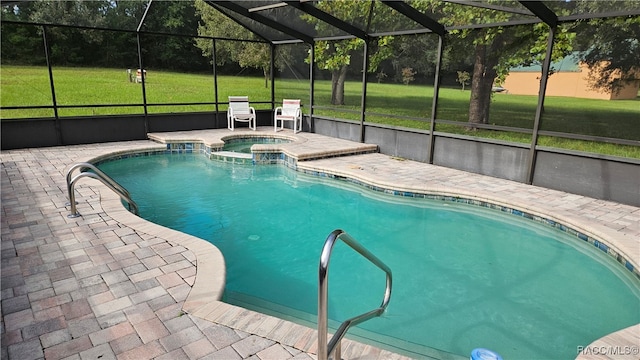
(629, 266)
(114, 157)
(285, 160)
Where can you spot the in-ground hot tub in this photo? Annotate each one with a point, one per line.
(241, 149)
(245, 143)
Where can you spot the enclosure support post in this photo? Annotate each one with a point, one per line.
(434, 103)
(365, 67)
(215, 78)
(144, 16)
(144, 92)
(540, 108)
(311, 86)
(272, 69)
(53, 89)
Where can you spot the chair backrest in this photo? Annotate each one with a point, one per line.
(239, 104)
(290, 107)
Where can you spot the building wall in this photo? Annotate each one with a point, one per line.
(628, 92)
(571, 84)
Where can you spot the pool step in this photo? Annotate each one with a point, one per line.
(232, 157)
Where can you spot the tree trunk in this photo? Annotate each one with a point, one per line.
(266, 77)
(337, 86)
(484, 74)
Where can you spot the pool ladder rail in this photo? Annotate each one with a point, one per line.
(333, 347)
(97, 174)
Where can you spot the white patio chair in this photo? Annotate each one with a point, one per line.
(239, 110)
(289, 111)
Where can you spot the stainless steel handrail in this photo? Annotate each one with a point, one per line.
(98, 175)
(323, 286)
(83, 165)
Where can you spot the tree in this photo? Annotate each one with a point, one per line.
(258, 56)
(407, 75)
(85, 46)
(463, 77)
(72, 12)
(495, 49)
(414, 51)
(71, 46)
(120, 48)
(21, 44)
(335, 56)
(172, 52)
(611, 46)
(245, 53)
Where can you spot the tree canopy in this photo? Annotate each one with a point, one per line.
(105, 45)
(335, 56)
(612, 46)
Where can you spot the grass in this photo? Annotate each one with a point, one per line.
(29, 86)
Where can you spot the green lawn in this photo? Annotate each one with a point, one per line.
(29, 86)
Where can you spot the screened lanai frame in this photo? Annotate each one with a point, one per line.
(138, 32)
(271, 13)
(272, 22)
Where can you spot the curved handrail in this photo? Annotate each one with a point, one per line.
(98, 175)
(83, 165)
(323, 285)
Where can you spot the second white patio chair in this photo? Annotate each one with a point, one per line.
(289, 111)
(239, 110)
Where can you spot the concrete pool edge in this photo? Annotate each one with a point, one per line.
(205, 302)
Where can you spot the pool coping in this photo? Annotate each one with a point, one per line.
(203, 301)
(302, 146)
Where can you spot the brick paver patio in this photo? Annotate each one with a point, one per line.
(104, 287)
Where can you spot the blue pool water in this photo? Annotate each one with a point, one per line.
(464, 276)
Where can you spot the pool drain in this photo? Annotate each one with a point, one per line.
(254, 237)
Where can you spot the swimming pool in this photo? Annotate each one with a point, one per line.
(461, 293)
